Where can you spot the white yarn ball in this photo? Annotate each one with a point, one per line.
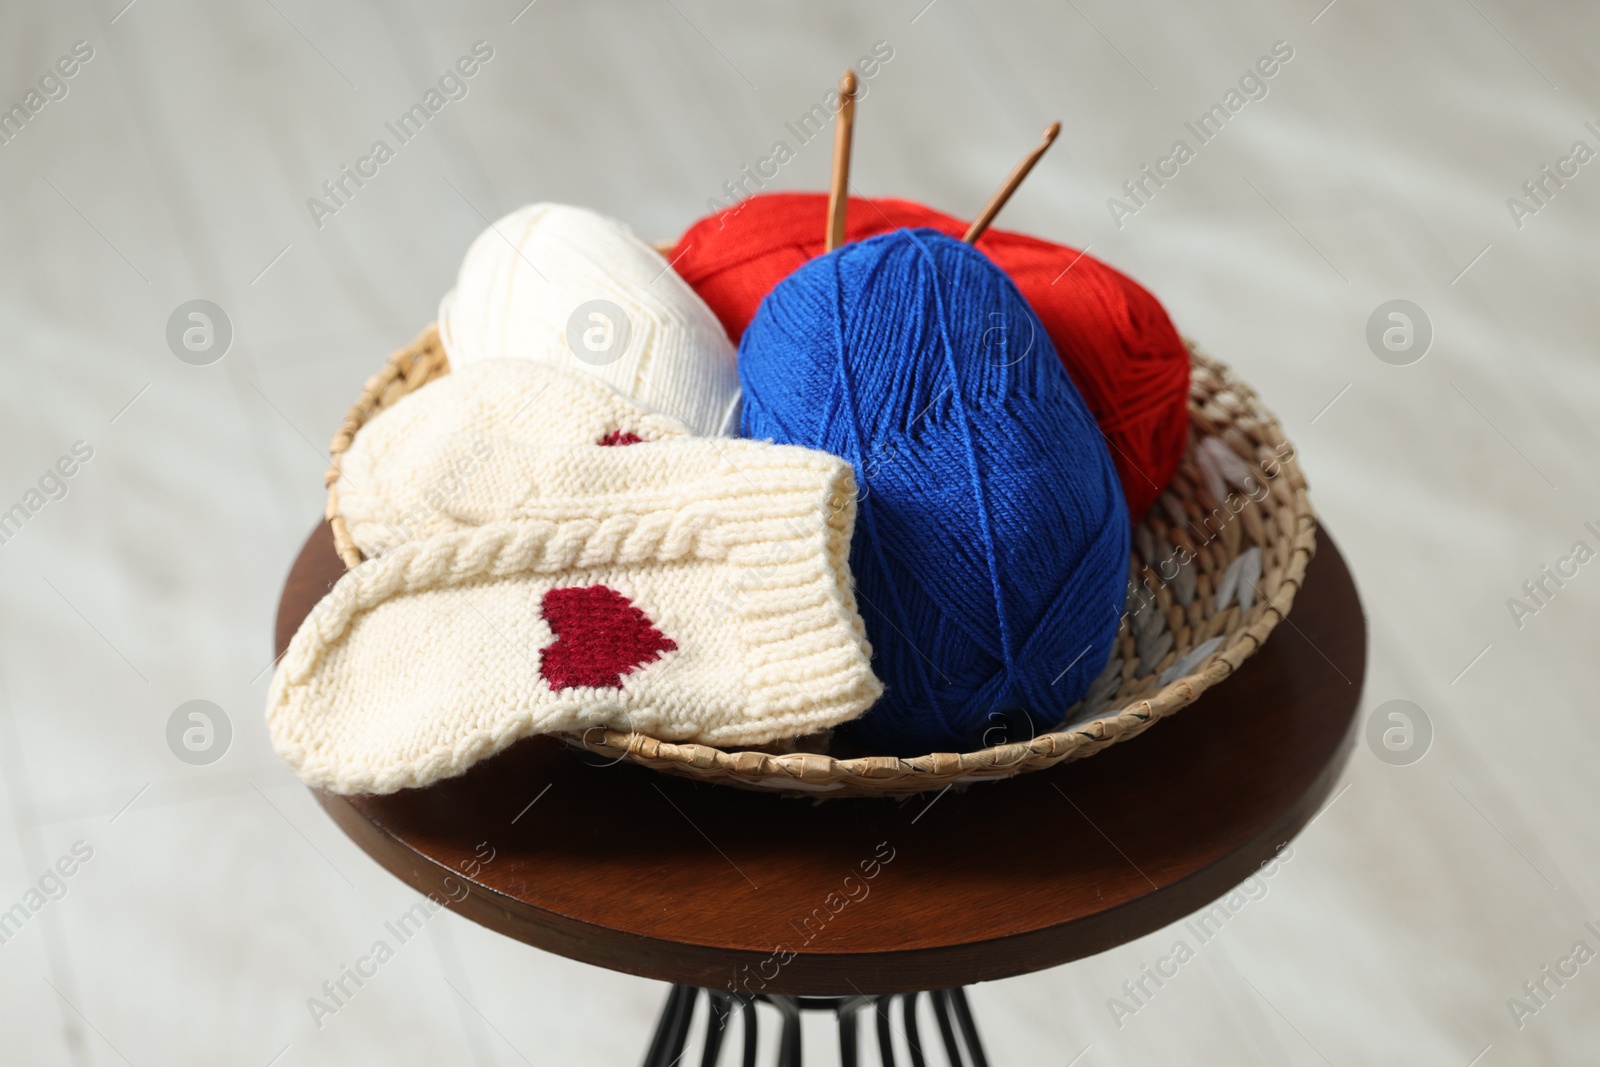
(528, 290)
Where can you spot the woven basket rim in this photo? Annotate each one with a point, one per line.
(820, 773)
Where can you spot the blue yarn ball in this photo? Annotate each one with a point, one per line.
(991, 542)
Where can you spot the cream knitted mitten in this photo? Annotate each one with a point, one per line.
(412, 463)
(688, 588)
(570, 287)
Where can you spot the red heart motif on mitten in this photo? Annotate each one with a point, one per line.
(601, 635)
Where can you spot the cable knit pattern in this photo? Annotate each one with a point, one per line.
(528, 286)
(455, 424)
(426, 658)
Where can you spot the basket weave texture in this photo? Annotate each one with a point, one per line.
(1214, 567)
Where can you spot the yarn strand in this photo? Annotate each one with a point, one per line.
(979, 493)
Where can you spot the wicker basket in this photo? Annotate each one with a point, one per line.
(1188, 625)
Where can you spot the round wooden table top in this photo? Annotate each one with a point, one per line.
(706, 885)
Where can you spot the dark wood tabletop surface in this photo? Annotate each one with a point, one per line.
(707, 885)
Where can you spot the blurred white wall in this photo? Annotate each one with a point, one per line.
(1378, 166)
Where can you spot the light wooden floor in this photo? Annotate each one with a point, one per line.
(1378, 166)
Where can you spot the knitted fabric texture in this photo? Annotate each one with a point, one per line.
(418, 468)
(689, 588)
(991, 549)
(566, 286)
(1113, 336)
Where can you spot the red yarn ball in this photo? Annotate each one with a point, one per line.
(1113, 336)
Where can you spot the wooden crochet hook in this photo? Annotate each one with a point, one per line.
(839, 190)
(1002, 194)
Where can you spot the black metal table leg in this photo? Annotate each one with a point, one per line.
(789, 1042)
(673, 1027)
(747, 1025)
(880, 1008)
(969, 1030)
(908, 1013)
(716, 1026)
(846, 1011)
(947, 1032)
(950, 1009)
